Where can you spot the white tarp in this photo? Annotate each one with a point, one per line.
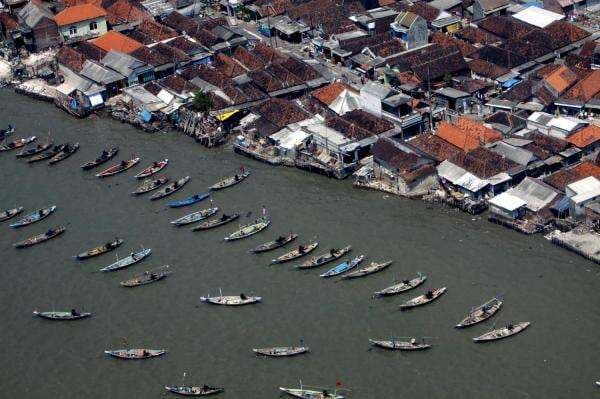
(507, 201)
(96, 99)
(290, 139)
(347, 101)
(460, 177)
(165, 96)
(538, 16)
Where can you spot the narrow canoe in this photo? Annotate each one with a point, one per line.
(310, 394)
(400, 345)
(66, 152)
(34, 151)
(105, 156)
(66, 316)
(211, 224)
(101, 249)
(46, 154)
(40, 238)
(343, 267)
(424, 299)
(404, 286)
(36, 216)
(302, 250)
(10, 213)
(194, 391)
(150, 185)
(481, 313)
(230, 181)
(249, 230)
(195, 216)
(148, 277)
(119, 168)
(189, 200)
(283, 351)
(322, 259)
(152, 169)
(277, 243)
(170, 189)
(231, 300)
(13, 145)
(128, 261)
(374, 267)
(505, 332)
(135, 353)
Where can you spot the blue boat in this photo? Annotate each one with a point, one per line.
(34, 217)
(189, 201)
(343, 267)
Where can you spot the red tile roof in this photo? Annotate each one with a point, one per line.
(563, 178)
(70, 58)
(444, 40)
(79, 13)
(228, 66)
(467, 134)
(247, 59)
(125, 11)
(327, 94)
(156, 30)
(435, 147)
(585, 89)
(561, 79)
(113, 40)
(585, 137)
(8, 21)
(487, 69)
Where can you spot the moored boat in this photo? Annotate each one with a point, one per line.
(404, 286)
(13, 145)
(282, 351)
(424, 299)
(66, 316)
(119, 168)
(170, 189)
(132, 354)
(322, 259)
(204, 390)
(148, 277)
(46, 154)
(150, 185)
(195, 216)
(152, 169)
(10, 213)
(277, 243)
(303, 393)
(302, 250)
(230, 181)
(105, 156)
(66, 152)
(101, 249)
(231, 300)
(127, 261)
(373, 267)
(36, 216)
(189, 200)
(343, 267)
(481, 313)
(411, 345)
(34, 151)
(4, 133)
(211, 224)
(40, 238)
(504, 332)
(250, 229)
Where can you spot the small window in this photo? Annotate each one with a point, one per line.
(73, 30)
(93, 25)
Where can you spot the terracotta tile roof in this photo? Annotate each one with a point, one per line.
(444, 40)
(71, 3)
(205, 37)
(211, 23)
(267, 54)
(561, 79)
(208, 74)
(587, 50)
(482, 162)
(467, 134)
(387, 48)
(91, 51)
(475, 35)
(487, 69)
(408, 77)
(70, 58)
(113, 40)
(150, 56)
(507, 119)
(434, 147)
(139, 37)
(473, 85)
(267, 82)
(124, 11)
(585, 89)
(551, 144)
(153, 88)
(300, 69)
(236, 96)
(368, 121)
(585, 137)
(546, 70)
(327, 94)
(172, 53)
(281, 112)
(286, 77)
(181, 23)
(500, 56)
(567, 30)
(78, 13)
(563, 178)
(178, 84)
(520, 92)
(505, 27)
(156, 30)
(251, 91)
(347, 128)
(432, 62)
(8, 21)
(186, 45)
(228, 66)
(578, 64)
(251, 62)
(545, 96)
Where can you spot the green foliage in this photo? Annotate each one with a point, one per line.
(201, 102)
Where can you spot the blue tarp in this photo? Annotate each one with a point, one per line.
(510, 83)
(73, 103)
(145, 115)
(562, 205)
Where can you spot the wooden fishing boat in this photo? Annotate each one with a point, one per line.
(481, 313)
(34, 151)
(4, 133)
(170, 189)
(277, 243)
(343, 267)
(105, 156)
(128, 261)
(195, 216)
(231, 300)
(148, 277)
(211, 224)
(424, 299)
(133, 354)
(40, 238)
(310, 393)
(250, 229)
(299, 252)
(46, 154)
(10, 213)
(282, 351)
(504, 332)
(373, 267)
(230, 181)
(36, 216)
(101, 249)
(404, 286)
(322, 259)
(189, 200)
(66, 152)
(119, 168)
(13, 145)
(66, 316)
(194, 391)
(411, 345)
(152, 169)
(150, 185)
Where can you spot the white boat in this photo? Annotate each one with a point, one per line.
(504, 332)
(250, 229)
(128, 261)
(404, 286)
(195, 216)
(231, 300)
(282, 351)
(135, 353)
(303, 393)
(412, 345)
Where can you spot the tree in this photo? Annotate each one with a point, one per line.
(201, 102)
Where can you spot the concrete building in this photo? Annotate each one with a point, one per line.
(81, 22)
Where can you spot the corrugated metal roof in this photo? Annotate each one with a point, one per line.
(99, 73)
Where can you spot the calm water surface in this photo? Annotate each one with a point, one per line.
(557, 357)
